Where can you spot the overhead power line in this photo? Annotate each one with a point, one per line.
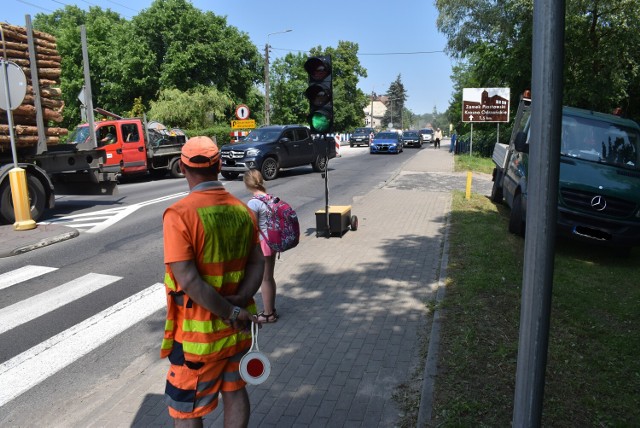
(35, 5)
(367, 54)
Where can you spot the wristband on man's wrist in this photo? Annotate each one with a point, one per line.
(234, 313)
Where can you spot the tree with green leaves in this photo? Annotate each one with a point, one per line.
(170, 45)
(197, 108)
(192, 48)
(102, 27)
(396, 97)
(288, 83)
(602, 48)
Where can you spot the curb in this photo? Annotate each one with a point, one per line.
(425, 411)
(42, 243)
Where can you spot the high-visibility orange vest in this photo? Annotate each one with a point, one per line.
(223, 237)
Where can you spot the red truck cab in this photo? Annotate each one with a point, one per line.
(132, 150)
(124, 143)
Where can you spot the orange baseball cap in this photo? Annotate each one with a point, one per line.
(200, 152)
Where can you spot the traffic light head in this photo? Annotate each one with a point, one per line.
(320, 94)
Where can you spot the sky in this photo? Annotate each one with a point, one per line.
(396, 38)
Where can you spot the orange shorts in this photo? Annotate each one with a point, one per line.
(193, 392)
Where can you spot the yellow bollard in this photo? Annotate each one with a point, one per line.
(20, 197)
(468, 193)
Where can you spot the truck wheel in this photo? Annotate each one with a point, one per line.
(496, 192)
(37, 200)
(320, 164)
(269, 169)
(230, 175)
(175, 169)
(516, 219)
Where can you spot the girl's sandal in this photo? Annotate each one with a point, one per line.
(268, 318)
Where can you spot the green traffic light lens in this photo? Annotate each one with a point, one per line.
(320, 122)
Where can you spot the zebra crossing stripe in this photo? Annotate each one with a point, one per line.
(25, 273)
(97, 221)
(28, 369)
(29, 309)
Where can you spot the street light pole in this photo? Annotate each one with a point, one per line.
(267, 106)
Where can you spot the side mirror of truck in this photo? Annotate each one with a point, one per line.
(520, 142)
(284, 140)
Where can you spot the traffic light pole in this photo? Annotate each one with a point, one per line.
(326, 186)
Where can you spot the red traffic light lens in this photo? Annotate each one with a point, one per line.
(317, 68)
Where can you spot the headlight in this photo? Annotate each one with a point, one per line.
(252, 152)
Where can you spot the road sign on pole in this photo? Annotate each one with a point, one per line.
(242, 112)
(243, 124)
(485, 104)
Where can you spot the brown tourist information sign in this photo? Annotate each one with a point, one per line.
(485, 105)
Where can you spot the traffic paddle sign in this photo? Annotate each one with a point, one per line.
(254, 365)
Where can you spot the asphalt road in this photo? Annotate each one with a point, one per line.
(117, 255)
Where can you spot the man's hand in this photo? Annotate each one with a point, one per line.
(243, 321)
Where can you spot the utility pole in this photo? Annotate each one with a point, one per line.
(539, 245)
(371, 115)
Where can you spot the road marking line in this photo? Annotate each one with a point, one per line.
(116, 218)
(163, 198)
(29, 309)
(25, 273)
(110, 215)
(33, 366)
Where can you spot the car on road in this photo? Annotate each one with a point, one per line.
(360, 136)
(411, 139)
(426, 135)
(386, 142)
(271, 148)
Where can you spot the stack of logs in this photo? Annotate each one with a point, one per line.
(48, 67)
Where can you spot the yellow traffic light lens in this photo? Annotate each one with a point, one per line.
(318, 95)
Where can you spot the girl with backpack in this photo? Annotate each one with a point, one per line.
(254, 183)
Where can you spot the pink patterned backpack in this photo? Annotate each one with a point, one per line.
(283, 229)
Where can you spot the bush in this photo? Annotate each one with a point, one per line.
(218, 133)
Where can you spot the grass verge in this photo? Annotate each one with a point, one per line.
(475, 163)
(593, 369)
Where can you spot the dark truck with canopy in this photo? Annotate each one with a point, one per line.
(599, 181)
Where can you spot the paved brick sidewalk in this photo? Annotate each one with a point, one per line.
(351, 308)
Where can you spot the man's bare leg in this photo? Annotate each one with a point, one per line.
(236, 408)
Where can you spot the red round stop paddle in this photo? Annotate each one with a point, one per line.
(254, 366)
